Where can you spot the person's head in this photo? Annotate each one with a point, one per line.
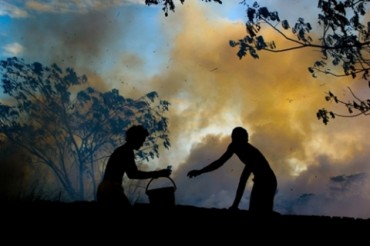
(136, 136)
(239, 135)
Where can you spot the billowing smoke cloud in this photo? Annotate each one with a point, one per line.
(317, 191)
(79, 41)
(212, 91)
(190, 63)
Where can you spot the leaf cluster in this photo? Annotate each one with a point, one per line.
(169, 5)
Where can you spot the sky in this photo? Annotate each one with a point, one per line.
(186, 58)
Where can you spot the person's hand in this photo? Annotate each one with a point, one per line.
(194, 173)
(164, 172)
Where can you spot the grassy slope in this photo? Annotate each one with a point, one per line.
(185, 223)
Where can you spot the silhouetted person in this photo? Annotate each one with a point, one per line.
(265, 183)
(110, 190)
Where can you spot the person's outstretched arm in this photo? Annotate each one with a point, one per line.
(214, 165)
(137, 174)
(241, 187)
(134, 173)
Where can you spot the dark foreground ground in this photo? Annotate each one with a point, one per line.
(181, 224)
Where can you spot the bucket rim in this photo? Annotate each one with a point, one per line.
(150, 181)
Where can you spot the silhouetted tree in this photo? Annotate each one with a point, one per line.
(343, 39)
(70, 127)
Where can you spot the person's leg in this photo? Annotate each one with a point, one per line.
(262, 198)
(254, 199)
(112, 193)
(123, 200)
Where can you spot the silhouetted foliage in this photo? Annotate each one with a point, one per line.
(343, 41)
(170, 5)
(69, 126)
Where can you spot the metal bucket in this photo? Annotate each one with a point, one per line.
(161, 197)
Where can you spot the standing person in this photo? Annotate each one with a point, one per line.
(265, 183)
(122, 160)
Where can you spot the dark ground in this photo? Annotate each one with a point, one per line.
(180, 223)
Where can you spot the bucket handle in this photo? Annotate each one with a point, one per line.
(147, 186)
